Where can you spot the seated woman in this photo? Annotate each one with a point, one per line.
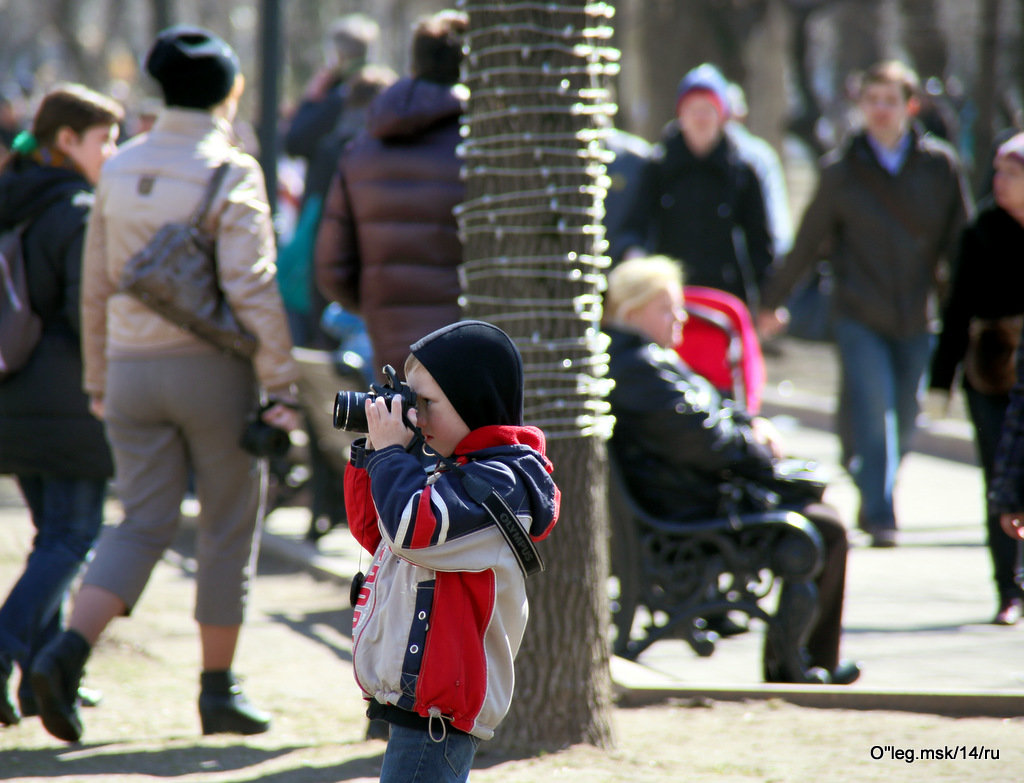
(677, 439)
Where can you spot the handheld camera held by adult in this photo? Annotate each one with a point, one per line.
(265, 440)
(349, 406)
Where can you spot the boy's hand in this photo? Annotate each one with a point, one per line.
(386, 425)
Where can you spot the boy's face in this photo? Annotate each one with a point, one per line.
(441, 424)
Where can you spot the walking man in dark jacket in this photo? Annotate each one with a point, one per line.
(388, 245)
(890, 205)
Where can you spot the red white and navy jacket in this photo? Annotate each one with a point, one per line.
(442, 611)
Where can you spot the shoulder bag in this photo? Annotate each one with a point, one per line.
(175, 275)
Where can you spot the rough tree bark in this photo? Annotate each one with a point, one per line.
(530, 227)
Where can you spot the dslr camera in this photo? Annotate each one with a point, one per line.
(349, 406)
(264, 440)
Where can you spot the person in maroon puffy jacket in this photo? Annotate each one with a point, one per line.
(388, 245)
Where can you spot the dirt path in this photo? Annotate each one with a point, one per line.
(295, 657)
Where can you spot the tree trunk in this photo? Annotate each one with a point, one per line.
(765, 83)
(530, 227)
(162, 12)
(924, 39)
(985, 92)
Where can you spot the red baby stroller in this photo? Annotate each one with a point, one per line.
(720, 342)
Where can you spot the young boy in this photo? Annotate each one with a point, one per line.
(442, 611)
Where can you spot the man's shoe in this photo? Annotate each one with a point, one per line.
(725, 626)
(9, 715)
(1009, 612)
(224, 709)
(845, 673)
(812, 675)
(56, 675)
(883, 538)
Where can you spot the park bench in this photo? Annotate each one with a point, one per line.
(681, 574)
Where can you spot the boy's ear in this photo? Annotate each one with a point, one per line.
(913, 106)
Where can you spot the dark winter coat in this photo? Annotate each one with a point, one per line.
(388, 246)
(888, 234)
(676, 438)
(988, 282)
(45, 424)
(707, 212)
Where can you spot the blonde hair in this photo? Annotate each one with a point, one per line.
(633, 283)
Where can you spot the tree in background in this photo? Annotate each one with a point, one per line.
(533, 265)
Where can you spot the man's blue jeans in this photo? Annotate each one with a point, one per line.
(879, 398)
(412, 756)
(67, 515)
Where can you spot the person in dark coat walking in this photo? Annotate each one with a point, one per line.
(49, 440)
(388, 247)
(698, 201)
(988, 283)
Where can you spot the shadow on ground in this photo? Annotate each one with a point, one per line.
(101, 762)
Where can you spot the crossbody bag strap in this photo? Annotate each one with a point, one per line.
(518, 539)
(211, 190)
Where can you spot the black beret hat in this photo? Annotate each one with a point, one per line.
(195, 68)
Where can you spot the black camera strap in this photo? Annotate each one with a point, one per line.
(500, 512)
(494, 504)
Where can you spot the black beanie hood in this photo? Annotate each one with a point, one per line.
(478, 368)
(195, 68)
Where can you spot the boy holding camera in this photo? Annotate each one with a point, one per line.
(441, 613)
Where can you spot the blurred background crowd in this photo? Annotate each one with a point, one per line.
(792, 57)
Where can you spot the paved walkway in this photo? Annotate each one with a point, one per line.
(916, 616)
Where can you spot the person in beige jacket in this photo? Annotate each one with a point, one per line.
(173, 404)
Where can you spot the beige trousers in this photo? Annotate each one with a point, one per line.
(168, 417)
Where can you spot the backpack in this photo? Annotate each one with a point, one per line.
(20, 328)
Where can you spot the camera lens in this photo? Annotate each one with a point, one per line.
(350, 411)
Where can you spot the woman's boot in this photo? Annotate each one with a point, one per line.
(223, 708)
(9, 714)
(56, 674)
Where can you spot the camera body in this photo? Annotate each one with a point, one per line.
(264, 440)
(349, 406)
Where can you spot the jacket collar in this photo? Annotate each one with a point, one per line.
(191, 122)
(861, 147)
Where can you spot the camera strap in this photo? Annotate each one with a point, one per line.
(504, 518)
(518, 539)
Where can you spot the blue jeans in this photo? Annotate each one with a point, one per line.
(412, 756)
(879, 398)
(67, 515)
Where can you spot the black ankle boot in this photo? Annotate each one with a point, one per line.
(9, 714)
(56, 674)
(223, 708)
